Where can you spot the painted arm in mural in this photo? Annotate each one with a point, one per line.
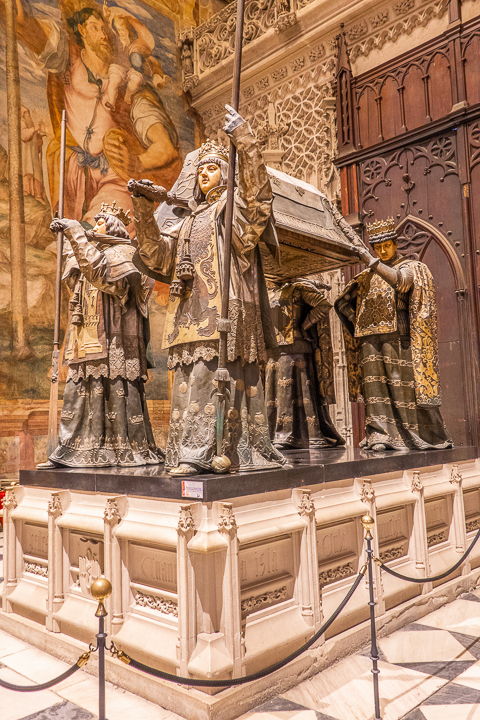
(29, 29)
(253, 196)
(92, 263)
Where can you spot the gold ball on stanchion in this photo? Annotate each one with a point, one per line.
(368, 524)
(101, 589)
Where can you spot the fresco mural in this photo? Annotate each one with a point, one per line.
(112, 67)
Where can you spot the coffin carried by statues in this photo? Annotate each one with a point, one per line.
(305, 226)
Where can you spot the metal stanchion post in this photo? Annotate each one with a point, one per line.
(101, 589)
(368, 522)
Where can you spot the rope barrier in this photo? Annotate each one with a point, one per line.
(435, 577)
(247, 678)
(82, 660)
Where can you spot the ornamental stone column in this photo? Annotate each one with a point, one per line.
(367, 496)
(232, 615)
(422, 560)
(459, 525)
(9, 569)
(310, 596)
(56, 595)
(113, 564)
(185, 590)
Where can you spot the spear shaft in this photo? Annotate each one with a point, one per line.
(222, 375)
(53, 408)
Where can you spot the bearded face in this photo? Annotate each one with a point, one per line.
(95, 37)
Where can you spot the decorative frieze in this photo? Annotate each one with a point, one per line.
(392, 553)
(473, 525)
(337, 573)
(156, 602)
(268, 598)
(436, 538)
(36, 569)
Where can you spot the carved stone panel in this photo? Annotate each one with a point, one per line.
(153, 567)
(337, 550)
(266, 574)
(392, 529)
(86, 553)
(438, 520)
(471, 501)
(35, 540)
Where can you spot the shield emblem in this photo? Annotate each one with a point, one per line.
(89, 568)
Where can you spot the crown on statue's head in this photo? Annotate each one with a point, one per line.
(211, 149)
(382, 230)
(117, 212)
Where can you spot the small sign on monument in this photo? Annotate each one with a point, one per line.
(192, 489)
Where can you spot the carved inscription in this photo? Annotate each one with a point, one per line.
(263, 562)
(150, 566)
(88, 547)
(336, 541)
(35, 540)
(471, 501)
(436, 512)
(392, 525)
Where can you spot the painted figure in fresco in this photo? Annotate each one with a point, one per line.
(390, 315)
(135, 63)
(299, 375)
(104, 419)
(106, 144)
(32, 142)
(193, 310)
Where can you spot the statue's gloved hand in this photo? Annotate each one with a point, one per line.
(233, 119)
(59, 225)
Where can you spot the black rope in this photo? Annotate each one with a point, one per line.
(435, 577)
(255, 676)
(45, 685)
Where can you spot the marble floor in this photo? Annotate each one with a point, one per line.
(429, 670)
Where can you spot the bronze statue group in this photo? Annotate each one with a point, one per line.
(279, 352)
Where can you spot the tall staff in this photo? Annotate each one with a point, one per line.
(53, 408)
(222, 376)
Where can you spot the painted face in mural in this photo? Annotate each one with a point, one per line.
(385, 250)
(95, 37)
(208, 177)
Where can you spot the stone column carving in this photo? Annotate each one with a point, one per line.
(459, 526)
(55, 562)
(9, 567)
(113, 565)
(367, 495)
(422, 562)
(232, 619)
(185, 42)
(185, 589)
(310, 596)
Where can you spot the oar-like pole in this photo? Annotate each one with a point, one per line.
(53, 408)
(222, 375)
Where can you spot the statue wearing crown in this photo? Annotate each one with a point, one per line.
(190, 254)
(104, 419)
(390, 317)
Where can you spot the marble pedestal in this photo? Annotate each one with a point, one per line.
(220, 576)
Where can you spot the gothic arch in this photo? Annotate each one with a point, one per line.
(437, 236)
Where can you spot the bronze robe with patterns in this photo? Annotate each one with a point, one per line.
(392, 355)
(299, 375)
(104, 418)
(191, 333)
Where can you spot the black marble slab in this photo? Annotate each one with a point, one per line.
(305, 468)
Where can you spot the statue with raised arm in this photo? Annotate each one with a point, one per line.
(299, 383)
(390, 317)
(104, 419)
(191, 254)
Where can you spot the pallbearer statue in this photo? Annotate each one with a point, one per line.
(389, 311)
(190, 252)
(104, 419)
(299, 376)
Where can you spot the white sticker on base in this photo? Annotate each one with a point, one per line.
(192, 489)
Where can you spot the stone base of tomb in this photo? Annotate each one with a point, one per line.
(221, 576)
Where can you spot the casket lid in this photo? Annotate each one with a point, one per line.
(310, 240)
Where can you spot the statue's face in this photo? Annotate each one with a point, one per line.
(101, 227)
(209, 176)
(385, 250)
